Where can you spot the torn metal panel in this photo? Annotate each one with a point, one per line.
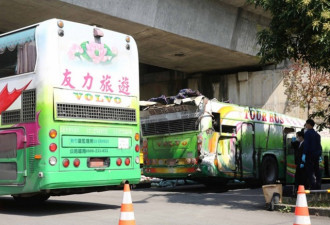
(147, 103)
(184, 114)
(170, 119)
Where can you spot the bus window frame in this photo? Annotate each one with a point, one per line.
(15, 49)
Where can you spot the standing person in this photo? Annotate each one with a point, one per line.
(300, 175)
(311, 155)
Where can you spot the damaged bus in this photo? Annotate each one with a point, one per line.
(69, 110)
(213, 142)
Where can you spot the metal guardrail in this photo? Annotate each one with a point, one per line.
(317, 191)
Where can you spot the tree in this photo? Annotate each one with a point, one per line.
(299, 30)
(306, 88)
(325, 113)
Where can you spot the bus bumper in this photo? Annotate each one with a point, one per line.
(80, 179)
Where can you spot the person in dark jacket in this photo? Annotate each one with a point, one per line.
(311, 155)
(300, 175)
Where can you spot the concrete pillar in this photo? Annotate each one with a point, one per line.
(243, 87)
(216, 90)
(193, 83)
(233, 89)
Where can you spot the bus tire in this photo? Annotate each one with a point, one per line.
(269, 170)
(35, 199)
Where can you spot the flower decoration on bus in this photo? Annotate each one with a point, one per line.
(75, 51)
(97, 53)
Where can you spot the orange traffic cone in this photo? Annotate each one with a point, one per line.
(126, 211)
(301, 211)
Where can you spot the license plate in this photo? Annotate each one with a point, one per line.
(123, 143)
(96, 162)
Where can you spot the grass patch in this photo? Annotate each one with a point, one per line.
(313, 200)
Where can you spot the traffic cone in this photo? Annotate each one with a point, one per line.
(301, 211)
(126, 211)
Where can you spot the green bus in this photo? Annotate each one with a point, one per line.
(69, 110)
(214, 142)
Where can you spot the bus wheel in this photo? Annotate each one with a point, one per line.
(269, 170)
(34, 199)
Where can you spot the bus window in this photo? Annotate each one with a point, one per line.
(288, 130)
(289, 137)
(228, 129)
(276, 137)
(261, 135)
(216, 121)
(8, 145)
(17, 53)
(289, 144)
(8, 153)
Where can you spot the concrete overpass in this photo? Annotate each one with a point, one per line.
(207, 45)
(183, 35)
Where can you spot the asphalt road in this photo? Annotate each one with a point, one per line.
(193, 205)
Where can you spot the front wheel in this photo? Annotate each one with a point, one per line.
(269, 170)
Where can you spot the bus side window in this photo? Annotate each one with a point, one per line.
(216, 122)
(18, 54)
(288, 134)
(228, 129)
(290, 146)
(8, 61)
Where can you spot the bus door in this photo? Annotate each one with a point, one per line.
(229, 155)
(289, 137)
(12, 156)
(247, 153)
(226, 149)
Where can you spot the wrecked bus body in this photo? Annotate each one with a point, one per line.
(211, 141)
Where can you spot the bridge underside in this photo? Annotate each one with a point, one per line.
(188, 36)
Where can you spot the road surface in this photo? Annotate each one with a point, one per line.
(192, 205)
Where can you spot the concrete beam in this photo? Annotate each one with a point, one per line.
(213, 22)
(184, 35)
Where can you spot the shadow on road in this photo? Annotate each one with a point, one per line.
(50, 207)
(247, 199)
